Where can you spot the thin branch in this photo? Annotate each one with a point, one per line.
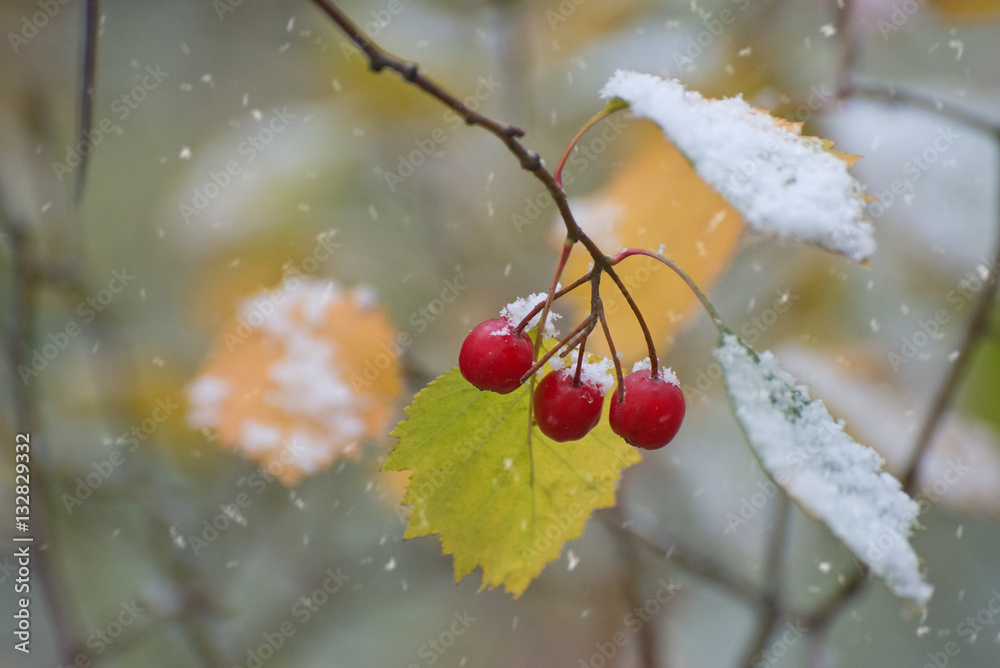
(88, 75)
(631, 583)
(976, 329)
(773, 609)
(978, 326)
(20, 329)
(690, 282)
(848, 49)
(380, 59)
(896, 94)
(696, 563)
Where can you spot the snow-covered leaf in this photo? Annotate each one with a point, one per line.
(961, 467)
(782, 182)
(829, 474)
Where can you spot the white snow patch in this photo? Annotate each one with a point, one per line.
(828, 473)
(780, 181)
(598, 373)
(257, 437)
(666, 373)
(205, 397)
(518, 309)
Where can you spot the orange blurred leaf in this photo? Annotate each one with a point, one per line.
(300, 377)
(655, 199)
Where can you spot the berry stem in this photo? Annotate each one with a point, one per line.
(654, 366)
(613, 106)
(587, 324)
(563, 257)
(619, 376)
(629, 252)
(538, 307)
(579, 358)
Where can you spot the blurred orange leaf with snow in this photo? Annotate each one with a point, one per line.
(655, 199)
(300, 377)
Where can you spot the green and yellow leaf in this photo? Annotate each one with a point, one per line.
(502, 498)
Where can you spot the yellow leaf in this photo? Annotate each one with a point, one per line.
(503, 497)
(299, 378)
(656, 198)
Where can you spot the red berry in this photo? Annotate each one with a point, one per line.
(495, 361)
(564, 411)
(651, 412)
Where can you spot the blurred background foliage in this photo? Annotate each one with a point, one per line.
(467, 214)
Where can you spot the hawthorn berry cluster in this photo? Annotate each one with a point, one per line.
(498, 356)
(648, 405)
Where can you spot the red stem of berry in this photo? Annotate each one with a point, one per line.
(619, 376)
(629, 252)
(538, 307)
(588, 323)
(563, 257)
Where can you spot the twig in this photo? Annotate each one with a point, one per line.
(380, 59)
(631, 584)
(19, 335)
(976, 329)
(978, 325)
(772, 607)
(88, 76)
(696, 563)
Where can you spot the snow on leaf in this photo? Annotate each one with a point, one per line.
(299, 378)
(829, 474)
(499, 498)
(961, 467)
(782, 182)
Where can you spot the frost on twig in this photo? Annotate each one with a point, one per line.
(782, 183)
(828, 473)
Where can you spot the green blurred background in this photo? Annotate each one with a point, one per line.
(227, 69)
